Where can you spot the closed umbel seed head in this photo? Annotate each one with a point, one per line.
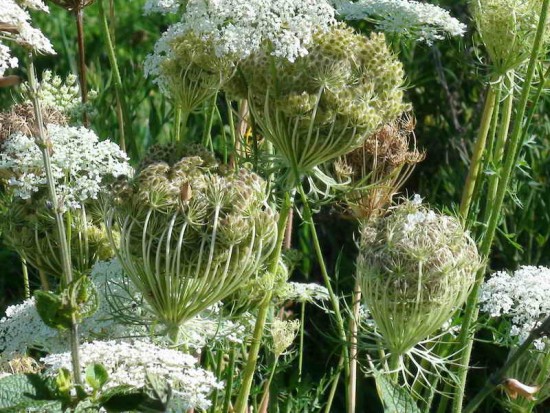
(416, 268)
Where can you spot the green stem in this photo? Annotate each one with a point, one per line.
(229, 379)
(219, 363)
(475, 163)
(207, 136)
(248, 373)
(301, 355)
(123, 117)
(500, 143)
(265, 398)
(308, 219)
(497, 377)
(44, 144)
(79, 14)
(336, 379)
(466, 336)
(352, 384)
(26, 285)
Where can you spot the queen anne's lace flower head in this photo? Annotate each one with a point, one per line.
(507, 29)
(127, 363)
(521, 297)
(238, 28)
(421, 21)
(325, 103)
(81, 164)
(15, 27)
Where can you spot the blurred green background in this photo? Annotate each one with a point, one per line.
(445, 86)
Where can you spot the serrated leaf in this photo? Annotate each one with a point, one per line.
(20, 391)
(394, 397)
(50, 309)
(121, 398)
(157, 394)
(96, 376)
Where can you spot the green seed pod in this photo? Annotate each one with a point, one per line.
(191, 236)
(325, 103)
(416, 268)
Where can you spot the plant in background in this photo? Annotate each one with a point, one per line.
(416, 268)
(191, 235)
(515, 304)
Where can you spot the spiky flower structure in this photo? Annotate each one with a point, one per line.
(507, 29)
(191, 235)
(416, 268)
(325, 103)
(186, 68)
(379, 167)
(82, 166)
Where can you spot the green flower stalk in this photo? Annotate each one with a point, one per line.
(191, 235)
(416, 268)
(325, 103)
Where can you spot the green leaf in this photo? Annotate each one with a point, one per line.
(157, 394)
(50, 309)
(96, 376)
(21, 391)
(394, 397)
(122, 398)
(87, 406)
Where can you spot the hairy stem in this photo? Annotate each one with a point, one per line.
(79, 14)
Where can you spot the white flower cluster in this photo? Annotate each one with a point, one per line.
(128, 362)
(240, 27)
(421, 21)
(7, 61)
(80, 164)
(59, 94)
(418, 218)
(303, 292)
(283, 334)
(22, 328)
(15, 26)
(523, 298)
(161, 6)
(163, 51)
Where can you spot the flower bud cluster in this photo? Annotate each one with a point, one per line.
(416, 268)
